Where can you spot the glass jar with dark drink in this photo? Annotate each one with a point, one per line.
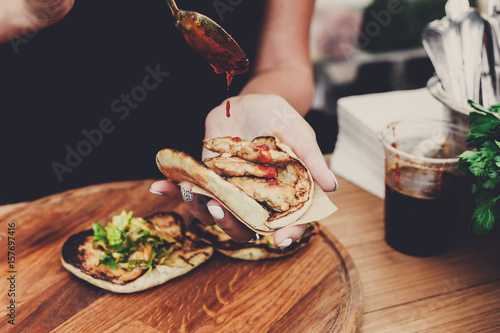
(424, 190)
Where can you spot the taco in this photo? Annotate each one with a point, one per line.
(131, 254)
(264, 248)
(261, 182)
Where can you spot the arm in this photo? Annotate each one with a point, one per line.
(284, 72)
(272, 103)
(18, 17)
(283, 65)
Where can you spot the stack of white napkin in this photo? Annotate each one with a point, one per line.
(359, 155)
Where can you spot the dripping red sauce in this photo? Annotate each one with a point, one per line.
(228, 107)
(229, 78)
(220, 51)
(236, 139)
(239, 66)
(231, 67)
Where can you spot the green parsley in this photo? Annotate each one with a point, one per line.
(482, 162)
(129, 242)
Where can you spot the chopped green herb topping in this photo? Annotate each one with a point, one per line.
(129, 242)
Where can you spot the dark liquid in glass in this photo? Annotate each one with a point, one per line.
(423, 226)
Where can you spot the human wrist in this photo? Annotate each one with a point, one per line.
(20, 17)
(13, 22)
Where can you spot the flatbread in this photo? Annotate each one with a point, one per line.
(262, 249)
(79, 257)
(178, 167)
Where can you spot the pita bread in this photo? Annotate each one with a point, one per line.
(264, 248)
(80, 258)
(178, 167)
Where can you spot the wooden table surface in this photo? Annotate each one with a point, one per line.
(458, 291)
(316, 289)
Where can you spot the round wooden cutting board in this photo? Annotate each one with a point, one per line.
(315, 290)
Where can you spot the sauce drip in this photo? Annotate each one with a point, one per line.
(236, 139)
(228, 107)
(229, 78)
(239, 66)
(214, 44)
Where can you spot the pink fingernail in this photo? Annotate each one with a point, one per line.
(216, 212)
(155, 192)
(287, 242)
(335, 180)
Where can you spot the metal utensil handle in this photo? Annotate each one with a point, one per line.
(173, 7)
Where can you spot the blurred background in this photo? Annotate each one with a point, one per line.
(367, 46)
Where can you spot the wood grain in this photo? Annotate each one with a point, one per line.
(317, 290)
(457, 291)
(401, 293)
(468, 310)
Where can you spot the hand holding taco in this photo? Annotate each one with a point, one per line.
(261, 182)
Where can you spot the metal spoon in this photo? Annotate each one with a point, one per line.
(210, 41)
(472, 31)
(453, 46)
(436, 43)
(432, 40)
(491, 68)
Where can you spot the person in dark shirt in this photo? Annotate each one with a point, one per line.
(94, 97)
